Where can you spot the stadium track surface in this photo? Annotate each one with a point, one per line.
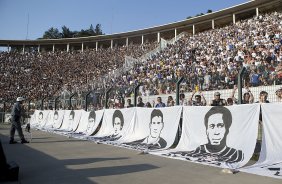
(52, 158)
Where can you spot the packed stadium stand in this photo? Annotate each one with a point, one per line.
(208, 60)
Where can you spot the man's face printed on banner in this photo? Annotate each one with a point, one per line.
(91, 122)
(40, 116)
(215, 129)
(117, 125)
(156, 126)
(56, 116)
(71, 116)
(217, 121)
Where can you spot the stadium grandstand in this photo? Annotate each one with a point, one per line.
(208, 53)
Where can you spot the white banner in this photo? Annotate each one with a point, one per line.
(270, 160)
(154, 129)
(88, 123)
(49, 121)
(71, 120)
(116, 123)
(218, 136)
(57, 118)
(39, 119)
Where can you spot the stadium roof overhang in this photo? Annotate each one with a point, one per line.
(263, 5)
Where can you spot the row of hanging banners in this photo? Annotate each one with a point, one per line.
(217, 136)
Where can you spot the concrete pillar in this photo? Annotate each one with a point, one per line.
(175, 34)
(112, 43)
(82, 47)
(194, 30)
(257, 12)
(142, 39)
(159, 37)
(53, 48)
(127, 42)
(96, 46)
(212, 23)
(68, 47)
(38, 49)
(23, 48)
(234, 18)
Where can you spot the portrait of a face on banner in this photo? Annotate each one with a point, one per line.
(115, 122)
(57, 118)
(49, 123)
(71, 120)
(218, 136)
(40, 119)
(270, 160)
(89, 122)
(154, 128)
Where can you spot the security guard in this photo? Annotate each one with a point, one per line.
(16, 124)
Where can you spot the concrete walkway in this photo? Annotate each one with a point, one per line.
(51, 158)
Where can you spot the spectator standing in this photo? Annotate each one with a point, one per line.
(182, 100)
(159, 103)
(119, 104)
(248, 97)
(263, 97)
(170, 102)
(148, 105)
(199, 100)
(229, 102)
(279, 94)
(129, 104)
(217, 101)
(140, 102)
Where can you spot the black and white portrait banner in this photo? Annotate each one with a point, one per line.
(270, 160)
(89, 123)
(39, 119)
(56, 118)
(154, 129)
(70, 122)
(49, 122)
(115, 124)
(217, 136)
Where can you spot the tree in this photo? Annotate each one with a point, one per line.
(98, 29)
(199, 14)
(66, 32)
(91, 30)
(52, 33)
(209, 11)
(83, 33)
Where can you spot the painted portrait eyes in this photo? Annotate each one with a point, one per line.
(156, 122)
(212, 126)
(218, 125)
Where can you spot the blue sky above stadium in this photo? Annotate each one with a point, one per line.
(115, 16)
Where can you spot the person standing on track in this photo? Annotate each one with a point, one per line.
(16, 114)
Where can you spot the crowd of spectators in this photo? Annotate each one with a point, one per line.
(36, 75)
(211, 60)
(208, 60)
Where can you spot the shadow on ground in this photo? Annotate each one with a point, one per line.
(37, 167)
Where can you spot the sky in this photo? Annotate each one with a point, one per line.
(29, 19)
